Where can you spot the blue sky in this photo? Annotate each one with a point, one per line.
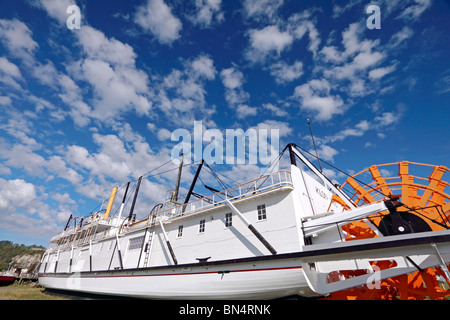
(86, 109)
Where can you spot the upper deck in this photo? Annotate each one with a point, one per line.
(248, 189)
(96, 227)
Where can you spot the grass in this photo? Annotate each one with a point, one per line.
(26, 292)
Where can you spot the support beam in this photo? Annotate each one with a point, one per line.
(177, 187)
(90, 255)
(251, 227)
(194, 181)
(118, 252)
(175, 261)
(68, 222)
(135, 198)
(292, 154)
(71, 260)
(122, 205)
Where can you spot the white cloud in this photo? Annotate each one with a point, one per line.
(378, 73)
(4, 100)
(46, 74)
(337, 10)
(387, 118)
(332, 54)
(164, 134)
(57, 165)
(156, 16)
(232, 78)
(358, 131)
(116, 160)
(299, 24)
(326, 153)
(400, 36)
(277, 111)
(9, 68)
(356, 67)
(17, 37)
(10, 74)
(284, 73)
(181, 95)
(283, 127)
(207, 11)
(236, 97)
(367, 59)
(107, 67)
(63, 198)
(23, 157)
(316, 96)
(116, 89)
(203, 66)
(57, 9)
(243, 111)
(261, 8)
(17, 193)
(415, 11)
(98, 47)
(266, 41)
(20, 128)
(23, 209)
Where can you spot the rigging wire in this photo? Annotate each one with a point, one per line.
(276, 161)
(213, 172)
(343, 172)
(146, 175)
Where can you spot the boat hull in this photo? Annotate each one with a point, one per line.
(6, 280)
(251, 280)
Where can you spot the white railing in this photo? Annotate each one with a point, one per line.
(263, 183)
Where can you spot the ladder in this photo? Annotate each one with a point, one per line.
(148, 245)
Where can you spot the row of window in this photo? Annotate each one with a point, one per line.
(228, 220)
(136, 243)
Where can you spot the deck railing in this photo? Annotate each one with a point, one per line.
(259, 185)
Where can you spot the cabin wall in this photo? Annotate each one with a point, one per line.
(236, 241)
(217, 241)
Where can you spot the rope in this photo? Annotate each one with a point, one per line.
(341, 171)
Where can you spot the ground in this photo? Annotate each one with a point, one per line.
(26, 292)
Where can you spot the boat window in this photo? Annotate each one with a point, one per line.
(262, 212)
(135, 243)
(201, 228)
(180, 231)
(228, 220)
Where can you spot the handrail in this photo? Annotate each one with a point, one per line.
(256, 186)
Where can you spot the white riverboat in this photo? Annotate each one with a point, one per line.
(276, 236)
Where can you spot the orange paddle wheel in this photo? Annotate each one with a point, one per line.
(422, 204)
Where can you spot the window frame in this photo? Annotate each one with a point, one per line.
(261, 212)
(202, 226)
(135, 243)
(228, 222)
